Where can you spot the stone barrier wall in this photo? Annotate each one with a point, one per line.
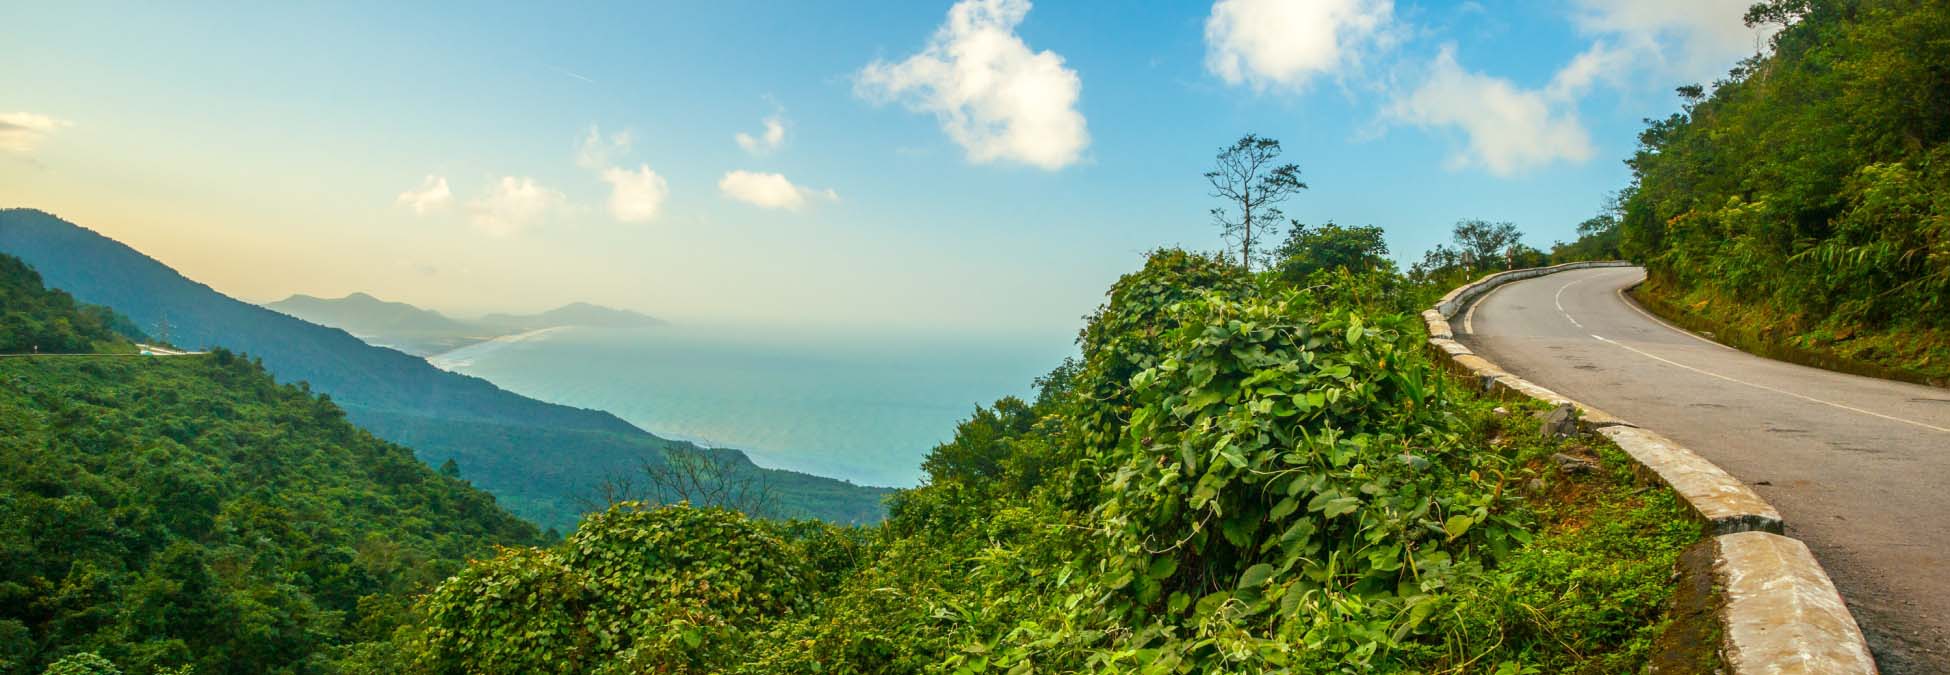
(1779, 613)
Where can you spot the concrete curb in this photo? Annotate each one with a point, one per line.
(1781, 613)
(1723, 502)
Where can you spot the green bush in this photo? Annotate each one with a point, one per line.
(85, 663)
(635, 589)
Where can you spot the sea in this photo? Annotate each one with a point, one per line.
(864, 407)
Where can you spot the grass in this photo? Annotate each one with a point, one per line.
(1593, 590)
(1907, 354)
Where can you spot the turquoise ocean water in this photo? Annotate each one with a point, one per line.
(865, 408)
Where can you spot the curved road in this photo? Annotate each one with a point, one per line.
(1858, 467)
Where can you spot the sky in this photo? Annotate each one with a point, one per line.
(986, 167)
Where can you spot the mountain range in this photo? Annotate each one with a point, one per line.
(539, 459)
(424, 332)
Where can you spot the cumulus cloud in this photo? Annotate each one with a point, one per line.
(1679, 41)
(512, 204)
(635, 196)
(994, 96)
(769, 190)
(1599, 61)
(432, 195)
(596, 151)
(20, 132)
(766, 141)
(1510, 129)
(1284, 43)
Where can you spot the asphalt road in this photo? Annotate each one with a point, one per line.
(1858, 467)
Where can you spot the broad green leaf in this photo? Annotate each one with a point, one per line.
(1256, 576)
(1162, 567)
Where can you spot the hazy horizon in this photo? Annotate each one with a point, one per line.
(825, 166)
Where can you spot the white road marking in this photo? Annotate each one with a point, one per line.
(1763, 387)
(1469, 317)
(1558, 300)
(1635, 307)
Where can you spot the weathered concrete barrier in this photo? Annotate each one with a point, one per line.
(1780, 613)
(1726, 504)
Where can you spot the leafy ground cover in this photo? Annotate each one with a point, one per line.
(1241, 474)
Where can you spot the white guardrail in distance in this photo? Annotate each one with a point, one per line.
(1779, 612)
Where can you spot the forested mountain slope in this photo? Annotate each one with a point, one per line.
(541, 459)
(164, 511)
(1804, 202)
(37, 320)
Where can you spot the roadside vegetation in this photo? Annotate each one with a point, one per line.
(1801, 206)
(1244, 472)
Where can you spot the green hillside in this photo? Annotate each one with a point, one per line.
(543, 460)
(34, 319)
(1243, 474)
(170, 511)
(1801, 207)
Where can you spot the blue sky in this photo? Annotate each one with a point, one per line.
(981, 167)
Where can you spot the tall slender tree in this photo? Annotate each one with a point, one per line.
(1253, 186)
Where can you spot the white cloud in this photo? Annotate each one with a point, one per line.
(769, 190)
(432, 195)
(766, 141)
(993, 96)
(1679, 41)
(635, 196)
(513, 204)
(1510, 129)
(1600, 60)
(596, 150)
(1286, 43)
(21, 131)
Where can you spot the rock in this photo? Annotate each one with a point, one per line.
(1535, 486)
(1500, 411)
(1560, 421)
(1572, 465)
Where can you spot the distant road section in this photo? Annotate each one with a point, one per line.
(1858, 467)
(142, 350)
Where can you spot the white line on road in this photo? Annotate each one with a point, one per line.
(1635, 307)
(1469, 317)
(1849, 408)
(1558, 300)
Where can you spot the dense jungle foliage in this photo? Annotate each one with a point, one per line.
(1805, 199)
(158, 513)
(1241, 474)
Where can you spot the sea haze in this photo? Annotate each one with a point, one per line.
(865, 408)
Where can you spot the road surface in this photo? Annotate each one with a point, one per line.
(1858, 467)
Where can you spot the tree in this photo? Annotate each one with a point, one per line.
(1306, 249)
(704, 477)
(1482, 241)
(84, 663)
(1245, 176)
